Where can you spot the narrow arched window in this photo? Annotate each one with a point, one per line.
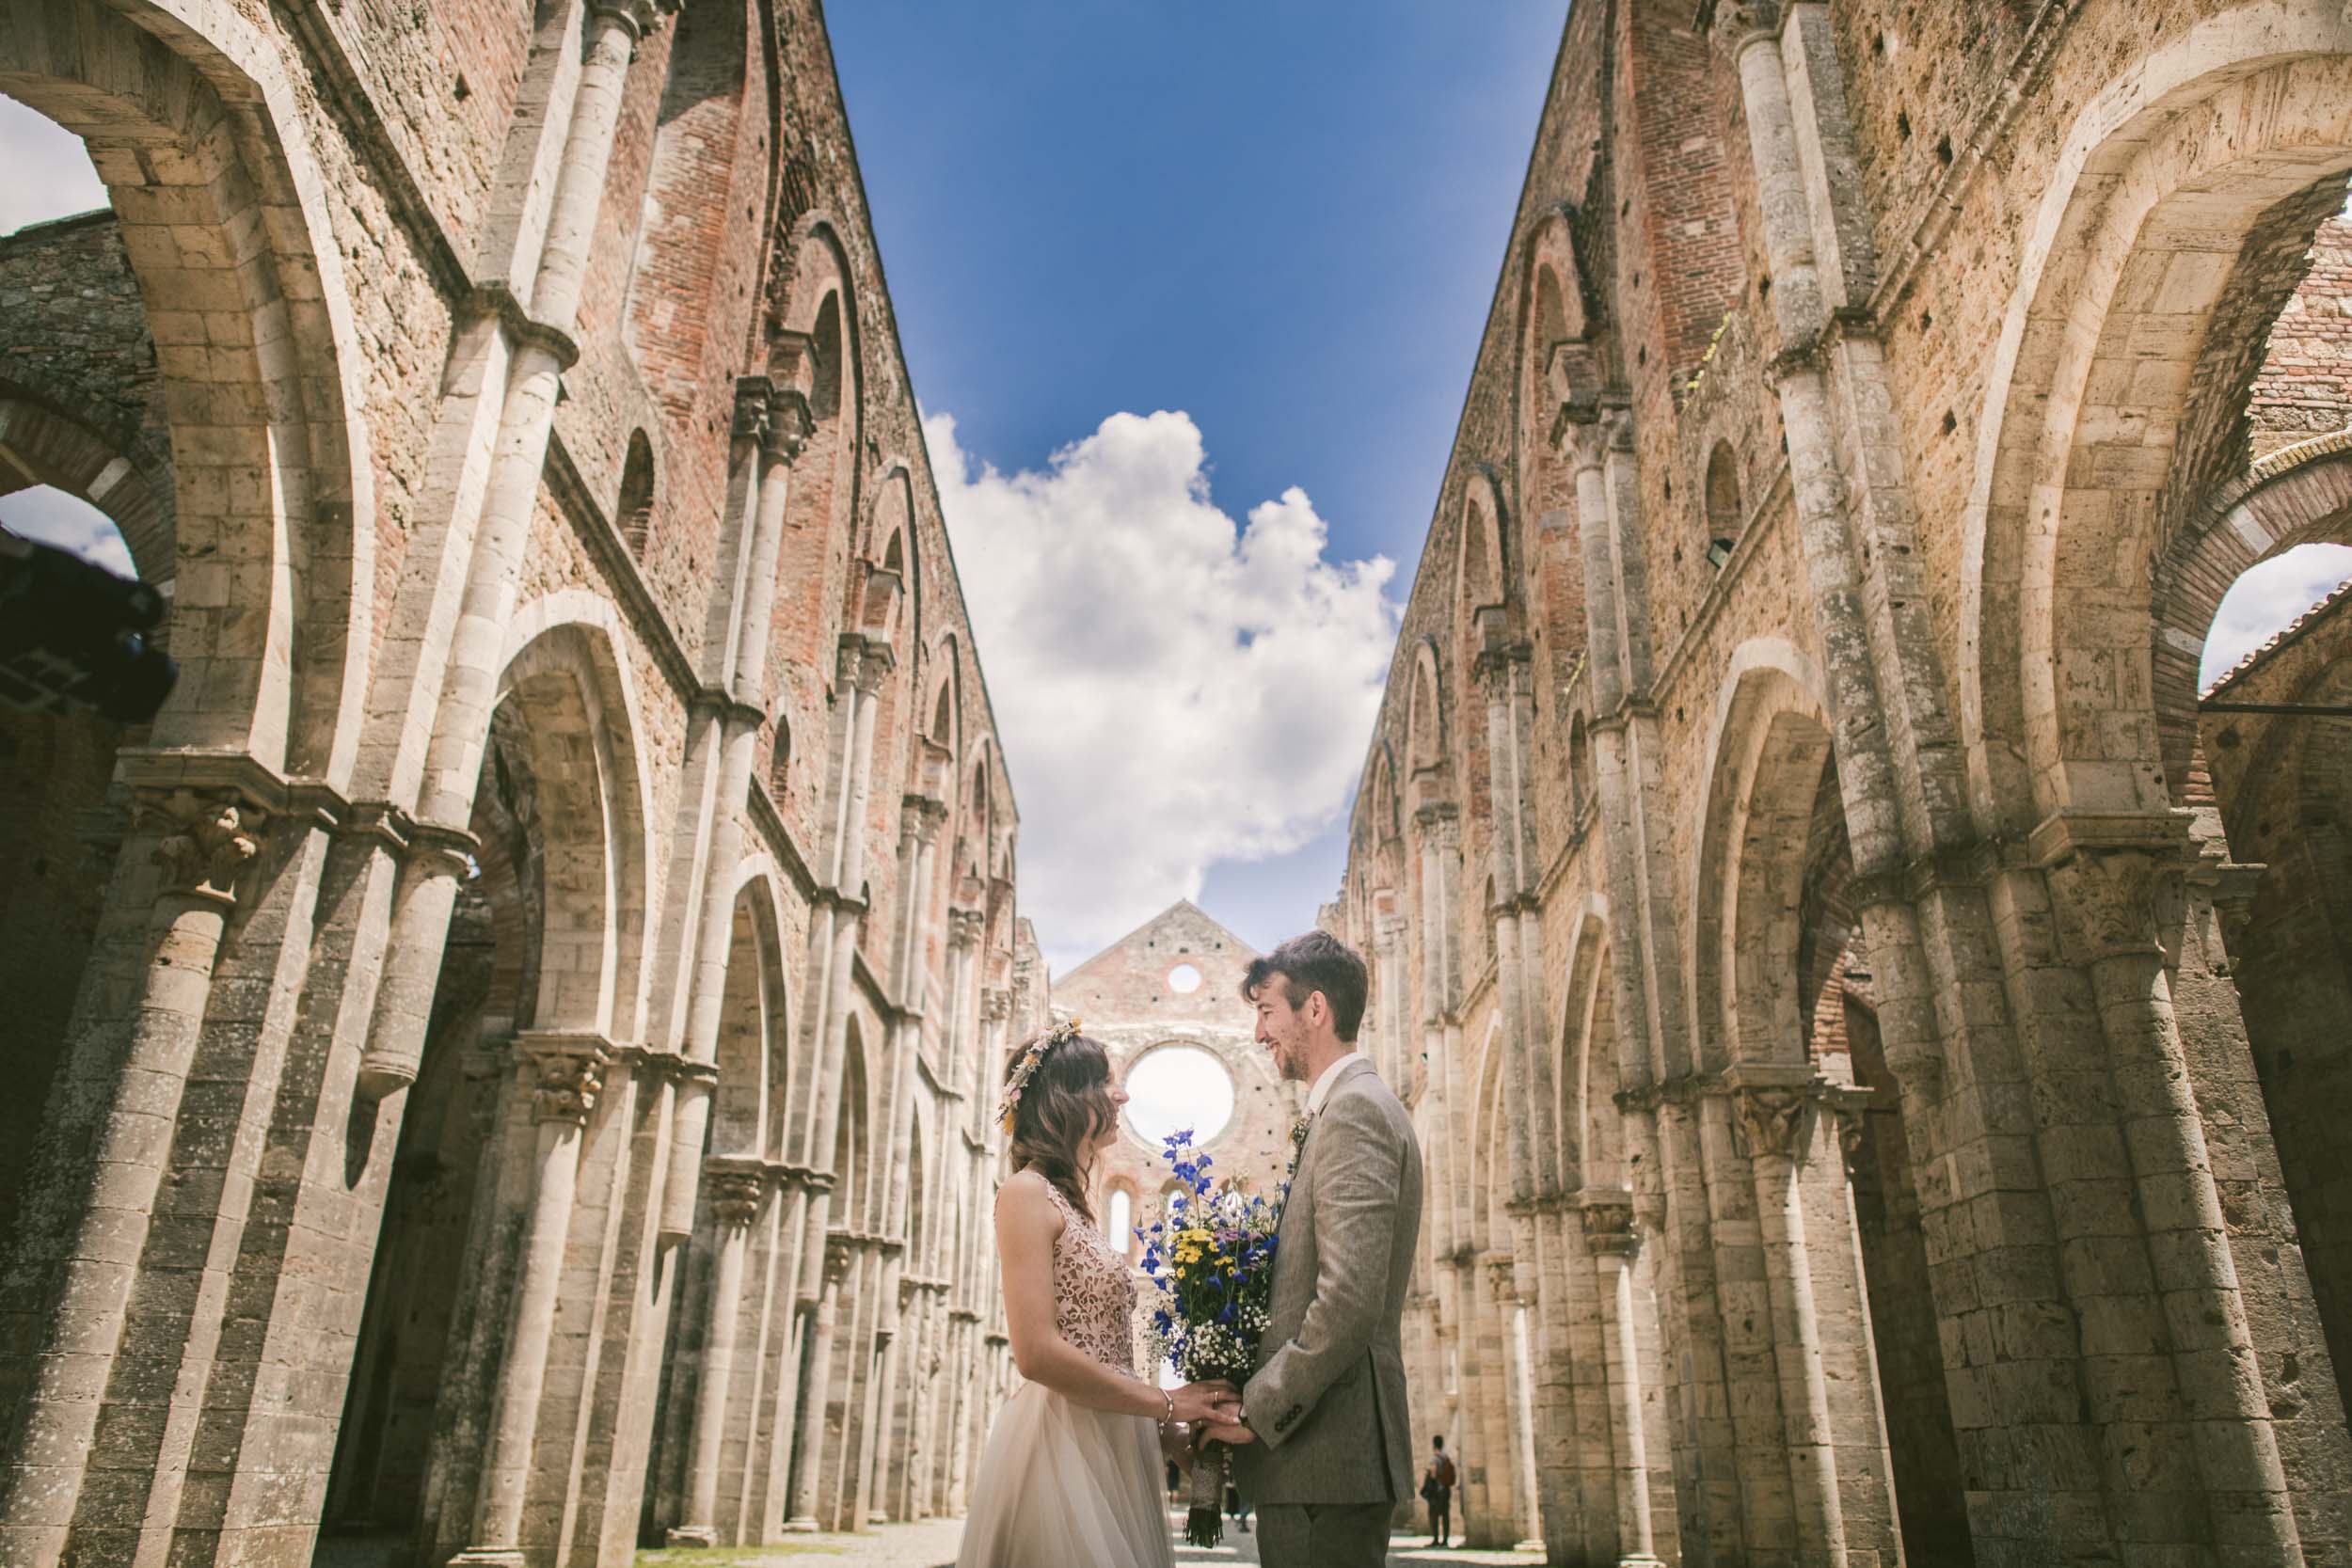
(1724, 511)
(633, 514)
(1122, 1219)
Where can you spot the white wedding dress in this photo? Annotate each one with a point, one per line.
(1061, 1485)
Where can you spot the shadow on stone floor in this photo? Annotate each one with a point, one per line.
(932, 1545)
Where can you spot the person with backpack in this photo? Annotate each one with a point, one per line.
(1437, 1490)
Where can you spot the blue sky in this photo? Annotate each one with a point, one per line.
(1282, 221)
(1190, 295)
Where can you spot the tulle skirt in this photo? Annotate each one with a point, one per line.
(1063, 1486)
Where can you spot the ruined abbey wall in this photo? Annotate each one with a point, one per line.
(515, 1087)
(1799, 904)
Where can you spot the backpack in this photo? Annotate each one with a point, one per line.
(1443, 1471)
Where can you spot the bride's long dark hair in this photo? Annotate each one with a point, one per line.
(1064, 1108)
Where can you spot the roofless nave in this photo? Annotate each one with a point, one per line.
(502, 1057)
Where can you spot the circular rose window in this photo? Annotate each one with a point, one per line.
(1184, 979)
(1173, 1087)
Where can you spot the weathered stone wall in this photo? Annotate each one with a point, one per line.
(1126, 996)
(463, 912)
(1901, 427)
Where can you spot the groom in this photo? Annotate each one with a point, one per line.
(1326, 1449)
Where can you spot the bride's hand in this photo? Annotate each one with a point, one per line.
(1215, 1399)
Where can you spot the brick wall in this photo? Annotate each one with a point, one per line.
(2305, 386)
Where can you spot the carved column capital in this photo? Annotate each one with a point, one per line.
(1766, 1121)
(635, 17)
(1608, 1223)
(875, 662)
(209, 837)
(1579, 439)
(568, 1074)
(1617, 431)
(737, 1189)
(1732, 25)
(840, 1257)
(996, 1004)
(1440, 823)
(790, 426)
(924, 816)
(965, 928)
(1847, 1105)
(2112, 879)
(1492, 669)
(848, 659)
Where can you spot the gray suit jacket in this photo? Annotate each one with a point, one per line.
(1328, 1401)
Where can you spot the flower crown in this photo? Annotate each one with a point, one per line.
(1026, 1068)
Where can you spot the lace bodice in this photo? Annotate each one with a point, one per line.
(1095, 1289)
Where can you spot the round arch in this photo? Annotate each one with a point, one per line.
(229, 238)
(2299, 494)
(126, 479)
(2162, 178)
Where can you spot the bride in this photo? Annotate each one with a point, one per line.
(1070, 1474)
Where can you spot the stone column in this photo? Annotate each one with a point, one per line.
(784, 1421)
(959, 1064)
(1522, 1360)
(779, 421)
(1439, 835)
(973, 1377)
(452, 764)
(995, 1012)
(736, 1187)
(1767, 1120)
(880, 1405)
(198, 844)
(817, 1388)
(1609, 1236)
(568, 1075)
(2109, 880)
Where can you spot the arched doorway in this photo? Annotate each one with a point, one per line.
(451, 1410)
(1776, 932)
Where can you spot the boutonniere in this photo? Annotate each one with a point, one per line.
(1298, 1130)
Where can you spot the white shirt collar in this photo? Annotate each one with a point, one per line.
(1322, 1091)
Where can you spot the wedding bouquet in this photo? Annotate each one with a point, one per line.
(1210, 1258)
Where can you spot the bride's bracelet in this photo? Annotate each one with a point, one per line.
(1171, 1413)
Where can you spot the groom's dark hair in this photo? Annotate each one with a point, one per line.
(1317, 961)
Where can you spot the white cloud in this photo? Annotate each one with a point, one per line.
(53, 517)
(49, 170)
(1171, 688)
(2265, 598)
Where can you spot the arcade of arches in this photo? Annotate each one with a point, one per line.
(501, 1060)
(1877, 1031)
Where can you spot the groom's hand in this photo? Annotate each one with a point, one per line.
(1236, 1431)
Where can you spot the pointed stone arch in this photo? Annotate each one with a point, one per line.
(1766, 762)
(565, 674)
